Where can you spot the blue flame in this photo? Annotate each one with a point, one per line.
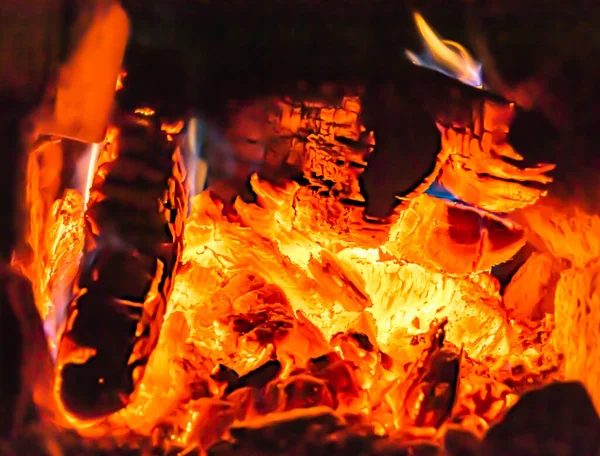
(437, 190)
(446, 57)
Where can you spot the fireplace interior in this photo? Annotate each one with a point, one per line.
(303, 229)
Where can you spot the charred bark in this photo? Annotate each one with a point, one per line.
(24, 357)
(134, 229)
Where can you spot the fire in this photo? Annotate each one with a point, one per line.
(295, 306)
(120, 78)
(446, 56)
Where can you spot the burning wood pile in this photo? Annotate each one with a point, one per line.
(295, 324)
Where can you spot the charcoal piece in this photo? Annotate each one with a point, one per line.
(303, 391)
(443, 373)
(12, 344)
(258, 378)
(143, 196)
(120, 274)
(225, 448)
(130, 219)
(459, 442)
(392, 447)
(199, 389)
(363, 341)
(225, 374)
(559, 419)
(341, 379)
(353, 440)
(101, 384)
(280, 432)
(24, 359)
(136, 172)
(247, 402)
(426, 397)
(320, 363)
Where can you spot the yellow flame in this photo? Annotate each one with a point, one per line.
(146, 112)
(446, 56)
(93, 165)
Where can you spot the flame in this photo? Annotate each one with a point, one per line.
(447, 57)
(295, 307)
(53, 237)
(120, 78)
(146, 112)
(172, 128)
(91, 170)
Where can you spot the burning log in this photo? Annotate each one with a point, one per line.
(114, 321)
(531, 292)
(453, 238)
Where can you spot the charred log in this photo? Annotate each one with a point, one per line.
(127, 271)
(25, 358)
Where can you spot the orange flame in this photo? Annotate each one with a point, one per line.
(446, 56)
(172, 128)
(120, 78)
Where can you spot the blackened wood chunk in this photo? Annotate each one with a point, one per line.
(459, 442)
(101, 384)
(278, 433)
(225, 374)
(224, 448)
(387, 447)
(120, 273)
(353, 440)
(558, 419)
(304, 391)
(11, 344)
(24, 358)
(258, 378)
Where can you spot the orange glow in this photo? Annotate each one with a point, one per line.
(446, 56)
(172, 129)
(295, 305)
(146, 112)
(120, 78)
